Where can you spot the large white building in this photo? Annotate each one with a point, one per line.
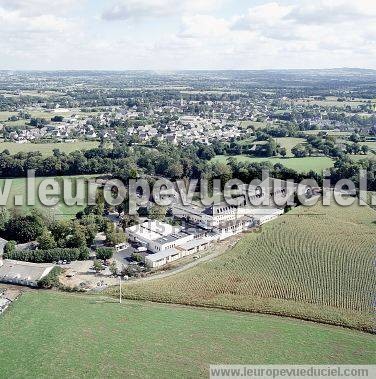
(23, 273)
(179, 251)
(151, 233)
(168, 242)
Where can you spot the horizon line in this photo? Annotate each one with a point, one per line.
(187, 70)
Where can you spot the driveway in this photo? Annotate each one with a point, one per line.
(122, 257)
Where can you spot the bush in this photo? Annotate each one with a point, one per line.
(48, 256)
(9, 248)
(46, 240)
(25, 228)
(105, 253)
(137, 257)
(51, 279)
(84, 254)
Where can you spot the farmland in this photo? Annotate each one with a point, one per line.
(314, 262)
(317, 164)
(47, 148)
(332, 101)
(52, 334)
(288, 143)
(4, 115)
(19, 188)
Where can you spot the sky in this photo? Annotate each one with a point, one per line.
(186, 34)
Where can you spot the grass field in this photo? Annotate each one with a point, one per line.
(288, 143)
(317, 164)
(371, 145)
(314, 262)
(57, 335)
(47, 148)
(19, 188)
(331, 101)
(330, 133)
(359, 157)
(4, 115)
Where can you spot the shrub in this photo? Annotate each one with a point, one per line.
(51, 279)
(9, 248)
(137, 257)
(46, 240)
(84, 254)
(105, 253)
(47, 256)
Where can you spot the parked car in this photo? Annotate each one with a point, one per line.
(71, 274)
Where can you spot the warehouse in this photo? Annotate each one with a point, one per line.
(23, 273)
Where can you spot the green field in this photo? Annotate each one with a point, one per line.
(371, 145)
(317, 164)
(313, 262)
(331, 101)
(359, 157)
(288, 143)
(4, 115)
(61, 210)
(47, 148)
(57, 335)
(330, 133)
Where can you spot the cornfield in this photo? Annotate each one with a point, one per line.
(315, 263)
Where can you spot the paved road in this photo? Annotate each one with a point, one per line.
(122, 257)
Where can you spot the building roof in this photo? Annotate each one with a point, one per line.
(23, 271)
(172, 237)
(161, 255)
(194, 243)
(152, 230)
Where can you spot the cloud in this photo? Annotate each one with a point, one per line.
(187, 34)
(30, 34)
(203, 26)
(333, 12)
(266, 14)
(32, 8)
(137, 9)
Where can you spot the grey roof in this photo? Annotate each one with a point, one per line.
(12, 271)
(194, 243)
(161, 255)
(172, 237)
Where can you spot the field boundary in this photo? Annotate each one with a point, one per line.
(368, 330)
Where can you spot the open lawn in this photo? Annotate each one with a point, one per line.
(288, 143)
(359, 157)
(47, 148)
(313, 262)
(371, 145)
(44, 114)
(332, 101)
(317, 164)
(329, 132)
(19, 188)
(58, 335)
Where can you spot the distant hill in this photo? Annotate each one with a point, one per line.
(312, 263)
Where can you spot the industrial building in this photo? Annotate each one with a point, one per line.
(23, 273)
